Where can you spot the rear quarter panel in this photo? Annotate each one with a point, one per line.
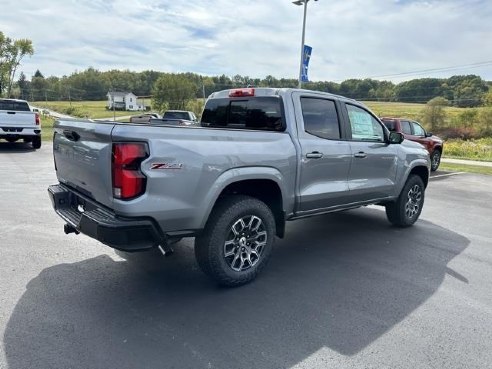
(197, 164)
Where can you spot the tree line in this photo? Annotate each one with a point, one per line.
(174, 89)
(92, 84)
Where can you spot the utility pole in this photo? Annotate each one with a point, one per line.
(302, 2)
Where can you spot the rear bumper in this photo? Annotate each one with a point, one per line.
(87, 217)
(19, 131)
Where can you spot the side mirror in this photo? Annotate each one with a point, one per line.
(428, 134)
(396, 138)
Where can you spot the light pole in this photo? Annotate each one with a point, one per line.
(302, 2)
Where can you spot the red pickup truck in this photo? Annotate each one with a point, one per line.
(413, 131)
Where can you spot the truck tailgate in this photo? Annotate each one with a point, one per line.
(17, 119)
(82, 152)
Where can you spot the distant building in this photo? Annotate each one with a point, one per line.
(123, 101)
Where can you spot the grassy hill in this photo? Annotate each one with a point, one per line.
(406, 110)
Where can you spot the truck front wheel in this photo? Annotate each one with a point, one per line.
(405, 211)
(435, 160)
(237, 240)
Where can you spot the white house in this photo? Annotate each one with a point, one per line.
(123, 101)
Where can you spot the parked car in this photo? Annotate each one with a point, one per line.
(414, 131)
(180, 114)
(260, 158)
(143, 118)
(173, 122)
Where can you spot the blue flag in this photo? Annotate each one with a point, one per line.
(306, 55)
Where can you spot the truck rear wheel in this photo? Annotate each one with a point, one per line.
(237, 240)
(405, 211)
(36, 142)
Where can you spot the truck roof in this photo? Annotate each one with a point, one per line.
(14, 100)
(269, 91)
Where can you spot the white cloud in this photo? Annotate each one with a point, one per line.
(350, 38)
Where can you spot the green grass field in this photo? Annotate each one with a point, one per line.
(83, 109)
(47, 128)
(97, 109)
(449, 167)
(405, 110)
(480, 149)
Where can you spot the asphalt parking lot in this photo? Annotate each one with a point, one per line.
(343, 290)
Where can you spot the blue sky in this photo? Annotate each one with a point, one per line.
(350, 38)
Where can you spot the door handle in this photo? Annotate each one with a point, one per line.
(360, 154)
(71, 135)
(314, 155)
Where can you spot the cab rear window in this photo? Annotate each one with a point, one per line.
(14, 105)
(257, 113)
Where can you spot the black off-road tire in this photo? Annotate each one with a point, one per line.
(219, 239)
(435, 160)
(36, 142)
(405, 211)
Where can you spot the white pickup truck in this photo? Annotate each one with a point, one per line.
(18, 121)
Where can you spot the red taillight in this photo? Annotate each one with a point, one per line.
(128, 181)
(240, 92)
(37, 120)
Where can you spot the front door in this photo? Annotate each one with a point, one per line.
(374, 162)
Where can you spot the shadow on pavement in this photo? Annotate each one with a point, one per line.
(15, 147)
(338, 281)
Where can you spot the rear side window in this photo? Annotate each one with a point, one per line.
(259, 113)
(320, 117)
(14, 105)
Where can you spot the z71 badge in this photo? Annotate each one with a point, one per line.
(166, 166)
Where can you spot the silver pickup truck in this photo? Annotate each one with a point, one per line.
(19, 122)
(259, 158)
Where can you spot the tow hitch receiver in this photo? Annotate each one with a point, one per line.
(67, 228)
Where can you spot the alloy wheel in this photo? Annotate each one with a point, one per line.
(245, 242)
(414, 199)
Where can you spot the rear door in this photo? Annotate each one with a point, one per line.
(82, 153)
(374, 162)
(325, 154)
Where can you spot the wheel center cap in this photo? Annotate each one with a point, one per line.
(242, 241)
